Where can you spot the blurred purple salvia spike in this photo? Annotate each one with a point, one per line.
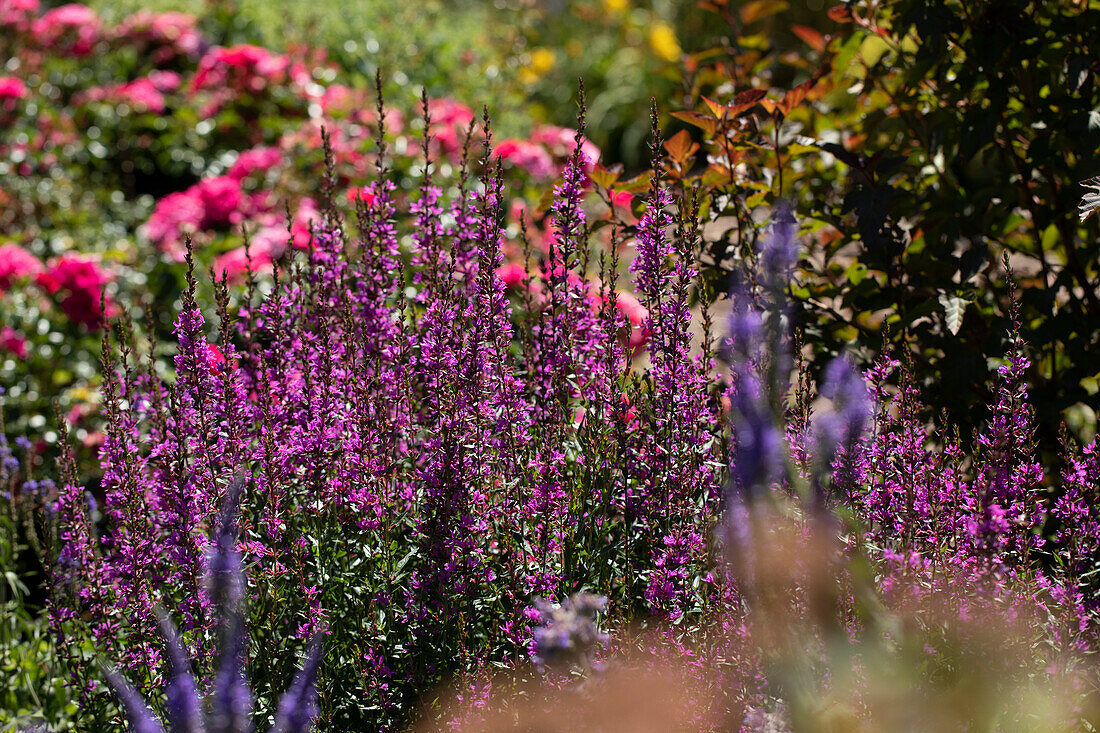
(298, 705)
(225, 581)
(837, 431)
(566, 633)
(759, 458)
(779, 248)
(746, 328)
(852, 408)
(183, 703)
(138, 713)
(231, 708)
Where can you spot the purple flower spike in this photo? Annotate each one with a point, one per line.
(231, 711)
(184, 706)
(758, 459)
(746, 328)
(138, 713)
(225, 581)
(566, 633)
(852, 407)
(232, 701)
(779, 249)
(298, 705)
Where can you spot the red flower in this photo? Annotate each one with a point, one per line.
(361, 193)
(79, 282)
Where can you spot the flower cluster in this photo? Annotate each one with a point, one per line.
(438, 452)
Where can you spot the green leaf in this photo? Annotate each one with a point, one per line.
(953, 307)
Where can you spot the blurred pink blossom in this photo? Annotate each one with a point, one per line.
(513, 275)
(12, 88)
(18, 14)
(71, 28)
(530, 157)
(243, 68)
(221, 199)
(79, 282)
(255, 160)
(560, 142)
(16, 264)
(165, 35)
(12, 342)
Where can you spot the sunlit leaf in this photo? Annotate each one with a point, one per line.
(604, 177)
(953, 309)
(680, 146)
(758, 9)
(810, 37)
(704, 122)
(1091, 200)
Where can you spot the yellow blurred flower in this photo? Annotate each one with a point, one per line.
(542, 60)
(616, 6)
(662, 39)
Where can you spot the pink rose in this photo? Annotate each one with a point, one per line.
(12, 342)
(221, 199)
(18, 14)
(12, 88)
(72, 28)
(174, 215)
(254, 160)
(560, 141)
(142, 95)
(528, 156)
(79, 281)
(16, 264)
(513, 275)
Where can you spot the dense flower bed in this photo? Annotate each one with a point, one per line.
(421, 457)
(383, 397)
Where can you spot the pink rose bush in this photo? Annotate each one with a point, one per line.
(77, 284)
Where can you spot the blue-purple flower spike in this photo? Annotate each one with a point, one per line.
(759, 457)
(225, 582)
(852, 408)
(183, 702)
(138, 713)
(232, 702)
(298, 705)
(231, 699)
(779, 248)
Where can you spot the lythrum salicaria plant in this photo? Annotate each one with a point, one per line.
(424, 450)
(230, 702)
